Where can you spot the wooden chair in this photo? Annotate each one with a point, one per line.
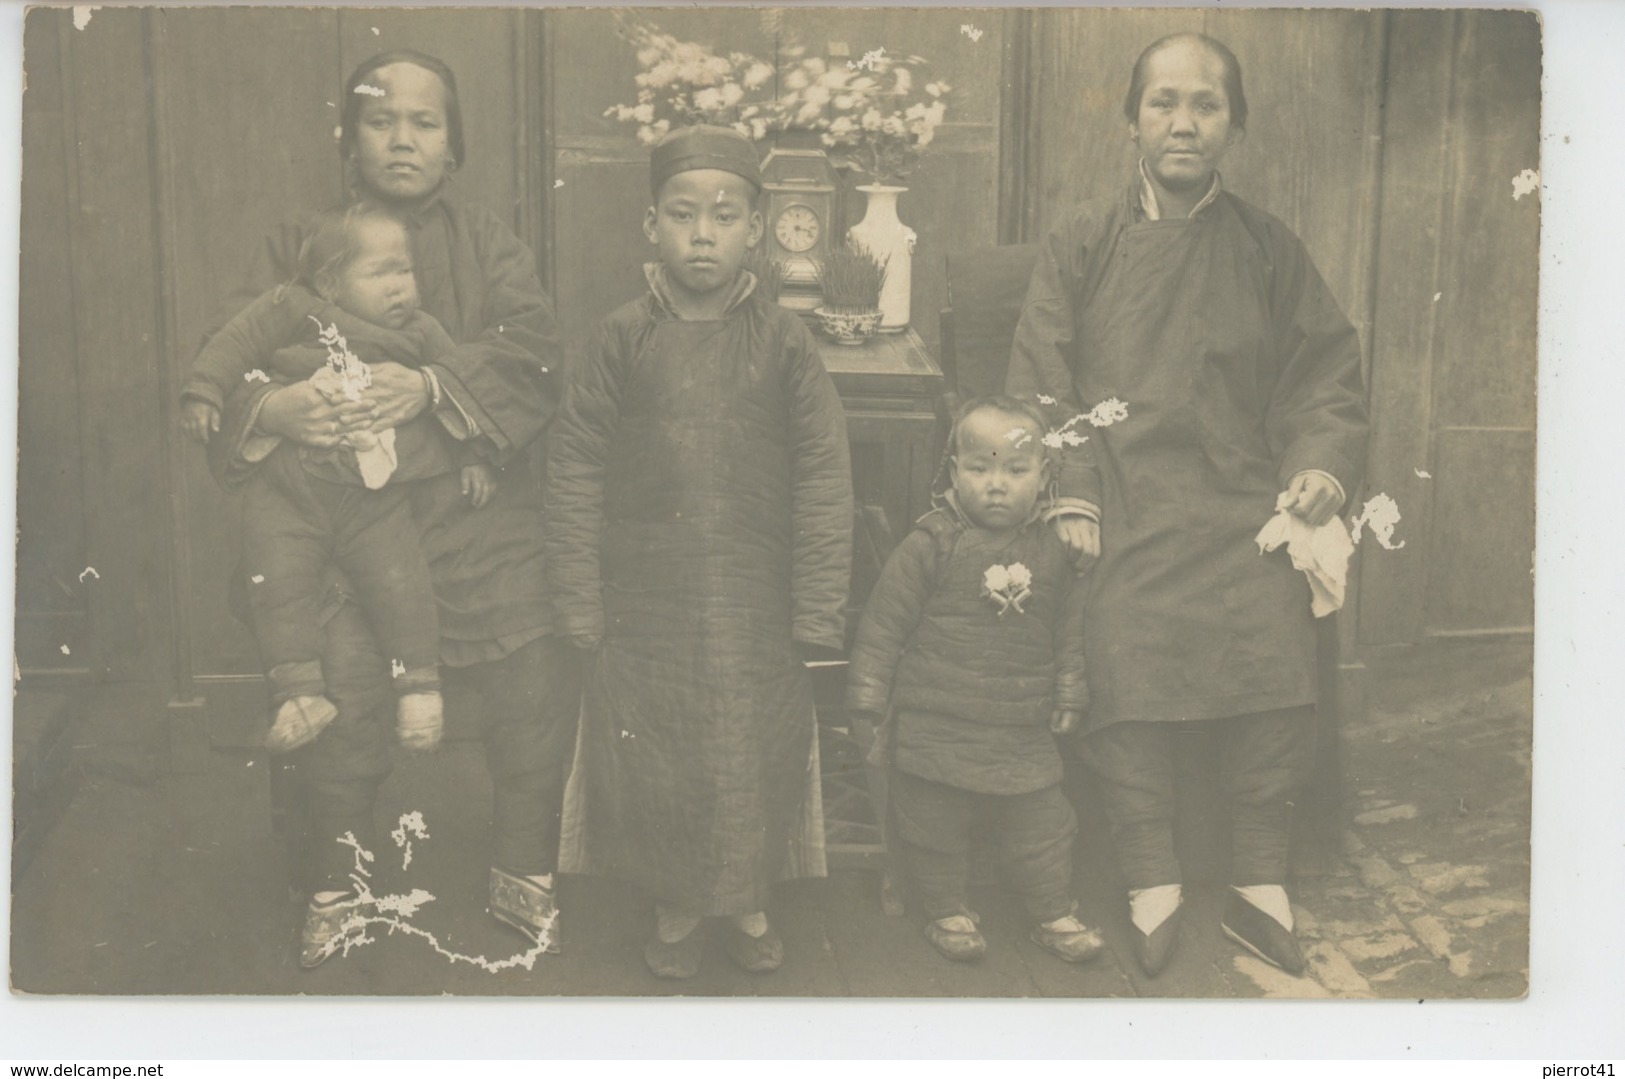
(986, 289)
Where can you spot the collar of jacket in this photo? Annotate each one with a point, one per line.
(1147, 204)
(660, 288)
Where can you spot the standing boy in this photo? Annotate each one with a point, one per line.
(699, 523)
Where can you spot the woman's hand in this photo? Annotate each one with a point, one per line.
(1080, 534)
(1314, 498)
(302, 413)
(1064, 721)
(400, 393)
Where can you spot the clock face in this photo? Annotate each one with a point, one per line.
(797, 228)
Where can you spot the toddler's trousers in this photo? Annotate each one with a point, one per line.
(296, 525)
(1033, 830)
(1263, 761)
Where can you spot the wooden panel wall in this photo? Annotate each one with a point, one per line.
(599, 247)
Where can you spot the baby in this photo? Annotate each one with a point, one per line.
(305, 506)
(972, 643)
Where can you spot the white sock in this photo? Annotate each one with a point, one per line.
(1150, 907)
(543, 880)
(752, 925)
(321, 899)
(1269, 898)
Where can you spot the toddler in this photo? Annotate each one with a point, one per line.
(971, 643)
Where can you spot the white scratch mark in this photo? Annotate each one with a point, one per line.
(370, 90)
(1018, 436)
(331, 105)
(396, 668)
(396, 911)
(868, 60)
(250, 764)
(1108, 412)
(1382, 514)
(88, 571)
(82, 13)
(1421, 475)
(256, 375)
(411, 824)
(99, 944)
(557, 184)
(65, 651)
(627, 734)
(1526, 182)
(1045, 399)
(374, 30)
(338, 134)
(1437, 296)
(1064, 435)
(970, 31)
(258, 578)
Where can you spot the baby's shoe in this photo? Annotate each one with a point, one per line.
(298, 721)
(956, 937)
(419, 720)
(1069, 939)
(527, 906)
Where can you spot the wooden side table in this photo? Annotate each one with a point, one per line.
(891, 387)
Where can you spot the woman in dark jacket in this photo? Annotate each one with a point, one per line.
(1241, 383)
(401, 141)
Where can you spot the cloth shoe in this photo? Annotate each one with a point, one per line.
(326, 926)
(528, 907)
(1155, 948)
(1068, 939)
(1261, 934)
(672, 959)
(759, 954)
(956, 937)
(298, 721)
(419, 720)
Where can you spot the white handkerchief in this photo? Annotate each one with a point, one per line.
(1321, 553)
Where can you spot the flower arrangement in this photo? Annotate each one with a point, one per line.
(682, 82)
(1008, 585)
(874, 115)
(851, 278)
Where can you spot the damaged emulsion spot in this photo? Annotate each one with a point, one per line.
(395, 912)
(89, 571)
(1018, 436)
(258, 578)
(372, 91)
(1526, 182)
(81, 15)
(1422, 475)
(396, 668)
(256, 375)
(868, 60)
(1381, 514)
(970, 31)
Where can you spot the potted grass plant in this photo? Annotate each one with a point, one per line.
(851, 278)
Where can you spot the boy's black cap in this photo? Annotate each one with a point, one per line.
(703, 146)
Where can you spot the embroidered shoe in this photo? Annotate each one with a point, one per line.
(1069, 939)
(956, 937)
(327, 925)
(1261, 934)
(526, 906)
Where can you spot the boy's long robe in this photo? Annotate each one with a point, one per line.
(699, 523)
(1238, 371)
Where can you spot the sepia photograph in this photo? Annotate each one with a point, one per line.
(806, 502)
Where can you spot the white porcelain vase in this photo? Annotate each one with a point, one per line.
(887, 238)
